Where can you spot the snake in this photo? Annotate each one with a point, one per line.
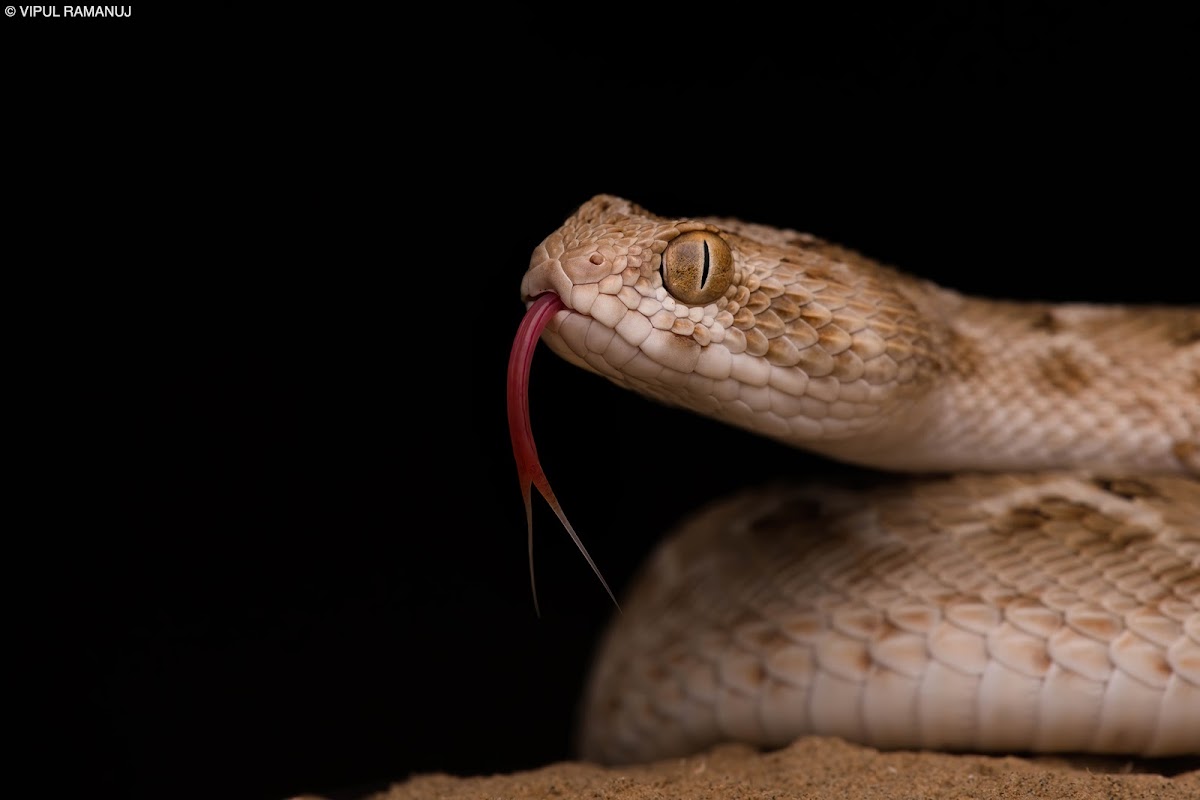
(1022, 572)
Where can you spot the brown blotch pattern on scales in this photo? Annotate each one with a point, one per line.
(1061, 372)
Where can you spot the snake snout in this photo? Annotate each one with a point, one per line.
(546, 274)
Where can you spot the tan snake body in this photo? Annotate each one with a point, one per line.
(1039, 591)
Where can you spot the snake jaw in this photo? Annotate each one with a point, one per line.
(529, 469)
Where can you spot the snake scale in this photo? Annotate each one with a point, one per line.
(1032, 584)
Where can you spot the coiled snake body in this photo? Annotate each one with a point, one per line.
(1036, 589)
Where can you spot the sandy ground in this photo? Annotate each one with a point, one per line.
(819, 767)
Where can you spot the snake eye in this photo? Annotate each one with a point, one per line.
(697, 267)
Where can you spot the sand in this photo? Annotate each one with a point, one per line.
(820, 767)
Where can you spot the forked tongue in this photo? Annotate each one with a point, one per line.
(529, 469)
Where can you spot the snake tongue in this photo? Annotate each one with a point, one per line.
(529, 469)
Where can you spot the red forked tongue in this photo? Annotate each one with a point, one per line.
(529, 469)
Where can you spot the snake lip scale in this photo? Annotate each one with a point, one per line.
(1031, 585)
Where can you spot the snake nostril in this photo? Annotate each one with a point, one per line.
(596, 259)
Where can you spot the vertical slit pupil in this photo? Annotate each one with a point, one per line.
(704, 275)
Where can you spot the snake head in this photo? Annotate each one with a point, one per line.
(770, 330)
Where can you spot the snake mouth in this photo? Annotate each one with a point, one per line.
(529, 467)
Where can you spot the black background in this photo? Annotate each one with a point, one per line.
(283, 548)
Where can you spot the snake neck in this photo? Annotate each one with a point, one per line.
(1044, 386)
